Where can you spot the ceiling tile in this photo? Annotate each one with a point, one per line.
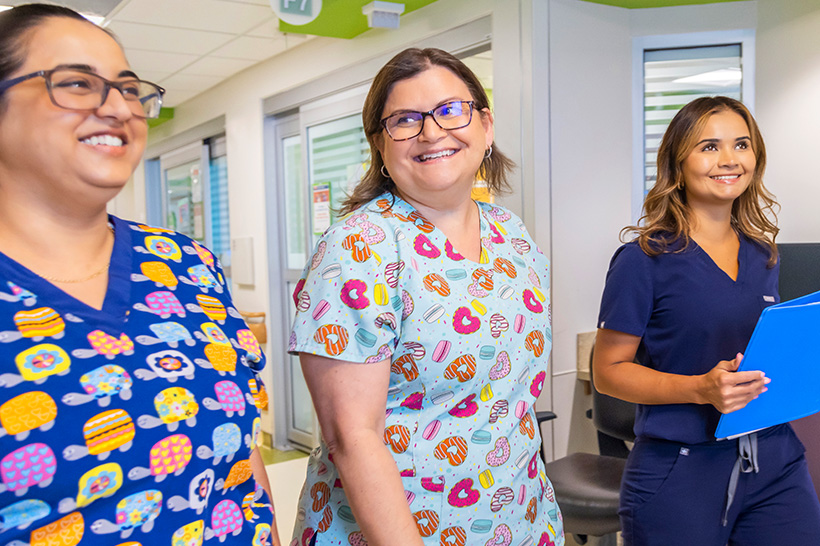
(152, 75)
(175, 97)
(217, 66)
(190, 82)
(211, 15)
(268, 29)
(254, 49)
(257, 2)
(171, 40)
(157, 61)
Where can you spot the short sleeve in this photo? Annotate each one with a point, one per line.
(349, 299)
(627, 303)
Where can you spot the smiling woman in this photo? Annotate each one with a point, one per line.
(79, 288)
(423, 332)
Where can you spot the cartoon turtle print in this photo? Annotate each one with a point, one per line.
(22, 513)
(103, 433)
(239, 474)
(66, 531)
(18, 294)
(27, 466)
(251, 501)
(173, 405)
(35, 324)
(99, 482)
(220, 357)
(162, 303)
(162, 247)
(247, 341)
(170, 332)
(229, 398)
(26, 412)
(137, 510)
(158, 272)
(101, 384)
(214, 334)
(168, 456)
(37, 364)
(199, 492)
(199, 275)
(212, 307)
(107, 345)
(226, 519)
(261, 535)
(258, 396)
(168, 365)
(227, 439)
(189, 535)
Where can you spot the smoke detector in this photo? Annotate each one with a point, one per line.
(383, 14)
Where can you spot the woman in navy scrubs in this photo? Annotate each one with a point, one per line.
(682, 299)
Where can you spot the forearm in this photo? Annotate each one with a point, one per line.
(374, 489)
(261, 477)
(641, 385)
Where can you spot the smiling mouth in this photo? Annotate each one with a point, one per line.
(726, 177)
(103, 140)
(435, 155)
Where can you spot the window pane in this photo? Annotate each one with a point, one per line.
(184, 203)
(674, 77)
(295, 205)
(220, 221)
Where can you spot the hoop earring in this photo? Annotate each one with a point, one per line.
(489, 152)
(384, 172)
(680, 184)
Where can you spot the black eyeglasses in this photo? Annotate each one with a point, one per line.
(450, 115)
(74, 89)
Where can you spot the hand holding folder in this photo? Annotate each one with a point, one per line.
(785, 345)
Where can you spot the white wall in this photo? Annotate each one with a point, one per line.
(788, 111)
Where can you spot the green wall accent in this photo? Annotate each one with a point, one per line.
(637, 4)
(343, 18)
(165, 114)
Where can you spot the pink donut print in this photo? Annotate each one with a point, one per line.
(407, 300)
(464, 322)
(537, 384)
(451, 252)
(425, 247)
(502, 536)
(531, 302)
(462, 494)
(319, 256)
(353, 294)
(434, 485)
(500, 453)
(502, 366)
(496, 236)
(498, 324)
(499, 410)
(392, 272)
(465, 408)
(501, 498)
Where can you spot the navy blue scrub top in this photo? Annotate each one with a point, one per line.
(690, 315)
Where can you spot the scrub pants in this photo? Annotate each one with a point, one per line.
(675, 494)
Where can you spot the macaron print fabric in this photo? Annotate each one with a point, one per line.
(133, 424)
(469, 344)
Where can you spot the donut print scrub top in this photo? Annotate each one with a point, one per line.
(469, 344)
(131, 425)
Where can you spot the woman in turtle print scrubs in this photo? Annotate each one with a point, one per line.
(127, 378)
(423, 330)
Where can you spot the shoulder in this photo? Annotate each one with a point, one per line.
(165, 243)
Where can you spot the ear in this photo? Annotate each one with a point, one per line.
(378, 141)
(487, 123)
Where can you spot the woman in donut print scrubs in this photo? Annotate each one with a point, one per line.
(423, 328)
(127, 377)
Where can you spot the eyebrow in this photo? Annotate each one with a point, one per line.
(716, 140)
(89, 68)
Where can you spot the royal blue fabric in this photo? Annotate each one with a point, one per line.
(134, 422)
(690, 315)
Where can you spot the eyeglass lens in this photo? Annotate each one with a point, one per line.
(450, 115)
(78, 90)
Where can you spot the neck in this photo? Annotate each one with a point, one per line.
(712, 224)
(452, 211)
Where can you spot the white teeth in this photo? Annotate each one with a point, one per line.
(727, 177)
(443, 153)
(104, 140)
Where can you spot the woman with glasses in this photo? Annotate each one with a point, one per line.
(423, 331)
(684, 297)
(126, 375)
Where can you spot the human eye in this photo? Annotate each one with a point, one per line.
(75, 81)
(743, 145)
(449, 110)
(130, 89)
(709, 147)
(405, 119)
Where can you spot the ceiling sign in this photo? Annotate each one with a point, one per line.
(296, 12)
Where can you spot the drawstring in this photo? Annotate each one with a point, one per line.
(746, 463)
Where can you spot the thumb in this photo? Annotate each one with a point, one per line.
(732, 365)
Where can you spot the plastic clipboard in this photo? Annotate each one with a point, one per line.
(785, 345)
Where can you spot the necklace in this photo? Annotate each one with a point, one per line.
(97, 273)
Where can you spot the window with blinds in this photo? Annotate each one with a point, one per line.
(674, 77)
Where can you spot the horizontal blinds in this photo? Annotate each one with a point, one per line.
(674, 77)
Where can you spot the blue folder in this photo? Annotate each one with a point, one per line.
(785, 345)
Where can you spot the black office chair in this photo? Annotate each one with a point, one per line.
(586, 485)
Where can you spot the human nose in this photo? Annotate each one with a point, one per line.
(727, 157)
(431, 131)
(114, 105)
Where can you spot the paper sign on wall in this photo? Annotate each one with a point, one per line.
(321, 207)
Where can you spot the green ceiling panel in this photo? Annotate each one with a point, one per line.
(636, 4)
(343, 18)
(165, 114)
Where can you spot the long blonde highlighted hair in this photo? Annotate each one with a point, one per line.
(666, 214)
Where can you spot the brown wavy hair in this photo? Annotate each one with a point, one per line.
(411, 62)
(666, 214)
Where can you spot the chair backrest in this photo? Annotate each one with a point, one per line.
(612, 416)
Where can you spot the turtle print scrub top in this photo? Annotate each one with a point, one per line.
(131, 425)
(468, 343)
